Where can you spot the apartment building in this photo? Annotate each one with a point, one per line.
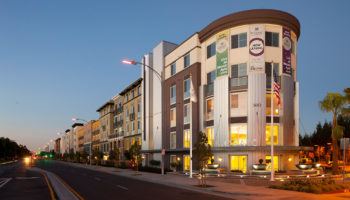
(96, 135)
(229, 63)
(117, 139)
(57, 148)
(132, 113)
(106, 113)
(74, 139)
(81, 140)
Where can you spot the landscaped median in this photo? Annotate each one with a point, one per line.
(317, 186)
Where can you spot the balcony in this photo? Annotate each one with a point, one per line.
(239, 83)
(132, 116)
(94, 142)
(118, 110)
(209, 90)
(114, 135)
(96, 132)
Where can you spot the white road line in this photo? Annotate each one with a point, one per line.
(5, 180)
(122, 187)
(97, 179)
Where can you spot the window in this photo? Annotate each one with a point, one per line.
(173, 69)
(210, 135)
(132, 109)
(173, 94)
(139, 125)
(238, 134)
(239, 104)
(211, 50)
(127, 114)
(268, 73)
(239, 163)
(132, 94)
(239, 40)
(127, 144)
(133, 127)
(172, 159)
(187, 135)
(173, 117)
(268, 134)
(187, 117)
(271, 39)
(139, 90)
(187, 61)
(173, 140)
(187, 88)
(211, 77)
(127, 129)
(139, 109)
(275, 162)
(186, 162)
(132, 141)
(127, 97)
(268, 105)
(210, 109)
(239, 76)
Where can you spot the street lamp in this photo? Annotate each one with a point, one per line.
(131, 62)
(90, 153)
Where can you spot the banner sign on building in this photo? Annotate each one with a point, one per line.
(256, 49)
(286, 51)
(222, 53)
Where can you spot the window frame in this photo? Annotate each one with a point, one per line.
(239, 40)
(272, 39)
(211, 50)
(187, 58)
(186, 144)
(173, 122)
(173, 69)
(187, 94)
(172, 141)
(172, 98)
(188, 117)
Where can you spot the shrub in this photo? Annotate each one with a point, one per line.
(155, 162)
(236, 170)
(153, 170)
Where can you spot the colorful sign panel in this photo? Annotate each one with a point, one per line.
(286, 51)
(222, 53)
(256, 49)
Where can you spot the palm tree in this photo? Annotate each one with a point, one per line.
(335, 103)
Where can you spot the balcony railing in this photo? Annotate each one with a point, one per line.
(118, 110)
(111, 136)
(95, 132)
(209, 90)
(239, 83)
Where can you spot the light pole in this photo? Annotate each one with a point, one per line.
(130, 62)
(90, 153)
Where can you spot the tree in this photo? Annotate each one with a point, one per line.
(113, 155)
(334, 103)
(97, 154)
(202, 153)
(135, 154)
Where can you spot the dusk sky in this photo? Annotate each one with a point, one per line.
(61, 59)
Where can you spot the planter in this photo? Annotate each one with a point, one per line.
(316, 165)
(260, 166)
(213, 166)
(304, 166)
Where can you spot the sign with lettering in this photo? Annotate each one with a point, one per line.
(222, 53)
(256, 49)
(286, 51)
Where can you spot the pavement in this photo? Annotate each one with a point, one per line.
(219, 187)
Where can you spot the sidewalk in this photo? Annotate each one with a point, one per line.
(229, 190)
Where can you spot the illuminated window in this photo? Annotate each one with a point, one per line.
(187, 117)
(238, 134)
(268, 135)
(139, 141)
(210, 135)
(127, 144)
(173, 140)
(187, 136)
(132, 141)
(239, 163)
(210, 109)
(268, 105)
(173, 117)
(275, 162)
(186, 162)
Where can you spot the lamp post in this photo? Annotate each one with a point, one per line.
(131, 62)
(90, 153)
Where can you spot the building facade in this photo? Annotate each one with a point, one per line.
(132, 112)
(58, 146)
(74, 139)
(96, 135)
(229, 63)
(118, 137)
(106, 113)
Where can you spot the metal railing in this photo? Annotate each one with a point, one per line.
(239, 83)
(209, 90)
(132, 116)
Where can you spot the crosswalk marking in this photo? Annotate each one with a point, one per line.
(3, 181)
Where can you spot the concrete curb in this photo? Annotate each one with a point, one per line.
(60, 189)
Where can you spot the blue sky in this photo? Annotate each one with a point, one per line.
(61, 59)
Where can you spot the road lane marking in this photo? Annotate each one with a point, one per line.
(122, 187)
(97, 179)
(51, 190)
(70, 188)
(4, 181)
(26, 178)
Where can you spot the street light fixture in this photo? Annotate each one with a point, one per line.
(131, 62)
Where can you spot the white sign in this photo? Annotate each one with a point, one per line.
(256, 49)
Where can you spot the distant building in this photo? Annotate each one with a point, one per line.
(117, 139)
(96, 135)
(106, 113)
(57, 148)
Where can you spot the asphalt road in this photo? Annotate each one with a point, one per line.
(91, 184)
(17, 182)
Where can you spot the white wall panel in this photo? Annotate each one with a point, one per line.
(221, 111)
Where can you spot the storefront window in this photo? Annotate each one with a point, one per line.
(210, 109)
(268, 105)
(275, 134)
(210, 135)
(275, 162)
(186, 162)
